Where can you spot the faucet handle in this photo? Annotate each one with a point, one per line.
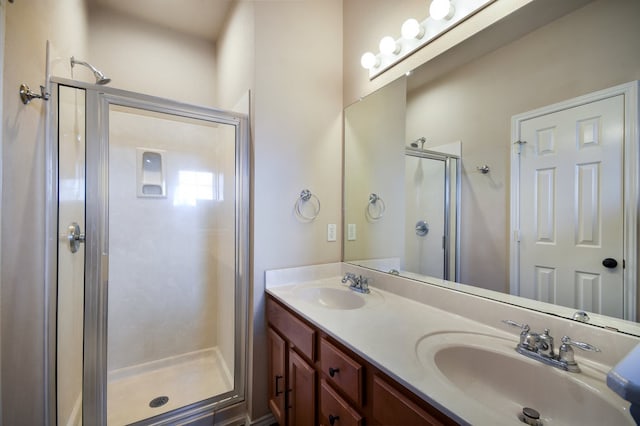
(566, 340)
(348, 276)
(523, 327)
(527, 340)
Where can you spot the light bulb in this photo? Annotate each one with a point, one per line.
(441, 9)
(412, 29)
(389, 46)
(369, 60)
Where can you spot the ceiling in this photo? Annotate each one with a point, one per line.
(198, 18)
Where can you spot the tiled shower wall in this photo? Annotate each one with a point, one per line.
(167, 261)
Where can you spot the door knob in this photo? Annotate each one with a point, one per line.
(75, 237)
(609, 263)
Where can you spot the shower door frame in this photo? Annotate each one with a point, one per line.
(94, 389)
(447, 159)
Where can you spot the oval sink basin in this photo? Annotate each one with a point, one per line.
(490, 374)
(332, 298)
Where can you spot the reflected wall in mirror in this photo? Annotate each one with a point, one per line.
(587, 50)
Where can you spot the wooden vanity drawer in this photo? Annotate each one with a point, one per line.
(335, 411)
(341, 370)
(391, 407)
(298, 333)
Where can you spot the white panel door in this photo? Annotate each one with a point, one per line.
(571, 207)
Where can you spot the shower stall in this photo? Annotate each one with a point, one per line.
(432, 188)
(147, 257)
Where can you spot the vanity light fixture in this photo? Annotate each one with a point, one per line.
(441, 9)
(444, 15)
(412, 29)
(389, 46)
(369, 61)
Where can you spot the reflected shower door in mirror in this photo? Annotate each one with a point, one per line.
(431, 214)
(151, 303)
(474, 102)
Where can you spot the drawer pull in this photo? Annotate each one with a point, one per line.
(278, 392)
(333, 419)
(332, 372)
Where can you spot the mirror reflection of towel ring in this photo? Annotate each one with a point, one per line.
(307, 196)
(375, 207)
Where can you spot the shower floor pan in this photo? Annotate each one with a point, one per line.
(139, 392)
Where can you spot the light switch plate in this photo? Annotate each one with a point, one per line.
(331, 232)
(351, 232)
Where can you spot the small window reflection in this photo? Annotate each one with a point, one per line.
(194, 186)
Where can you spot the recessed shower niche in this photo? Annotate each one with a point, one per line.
(150, 173)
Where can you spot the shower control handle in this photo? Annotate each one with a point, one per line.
(75, 237)
(422, 228)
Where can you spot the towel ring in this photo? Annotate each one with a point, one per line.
(375, 207)
(307, 196)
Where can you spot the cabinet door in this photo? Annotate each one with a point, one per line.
(302, 388)
(277, 368)
(390, 407)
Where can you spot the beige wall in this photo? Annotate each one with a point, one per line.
(28, 26)
(297, 145)
(235, 49)
(145, 58)
(588, 50)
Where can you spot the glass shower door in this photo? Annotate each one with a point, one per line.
(425, 216)
(432, 189)
(70, 185)
(172, 258)
(150, 205)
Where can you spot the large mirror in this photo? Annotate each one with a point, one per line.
(466, 114)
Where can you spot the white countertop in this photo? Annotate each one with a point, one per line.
(388, 329)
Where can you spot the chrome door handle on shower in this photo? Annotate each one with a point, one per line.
(75, 237)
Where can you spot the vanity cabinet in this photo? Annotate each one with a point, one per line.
(314, 380)
(292, 375)
(277, 349)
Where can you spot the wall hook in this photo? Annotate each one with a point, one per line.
(483, 169)
(26, 95)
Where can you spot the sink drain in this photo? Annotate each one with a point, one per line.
(530, 417)
(158, 401)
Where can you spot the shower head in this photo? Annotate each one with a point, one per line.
(100, 78)
(421, 140)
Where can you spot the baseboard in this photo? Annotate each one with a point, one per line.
(262, 421)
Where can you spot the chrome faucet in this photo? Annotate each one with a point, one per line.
(540, 347)
(358, 282)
